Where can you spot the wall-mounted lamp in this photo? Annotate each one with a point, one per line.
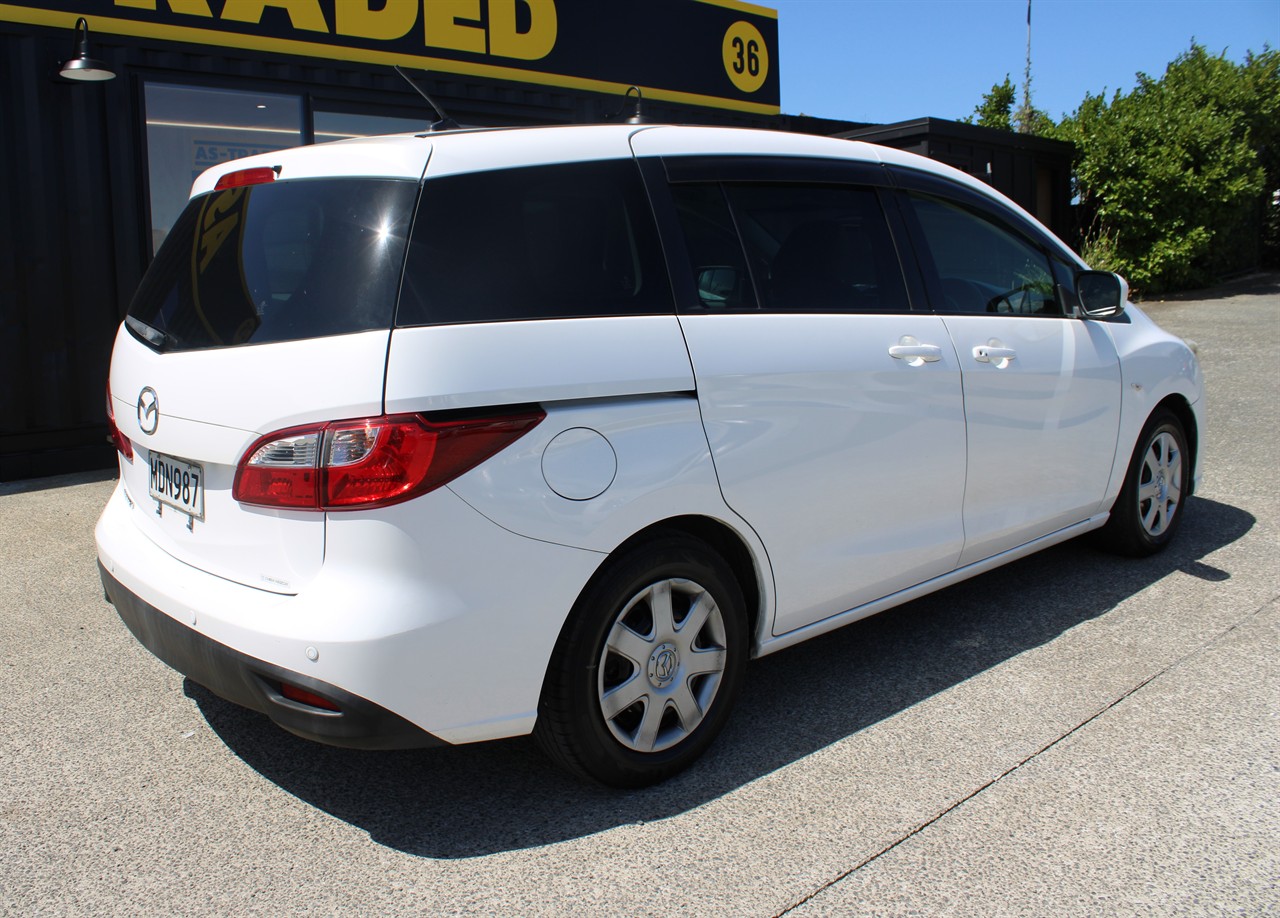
(637, 117)
(82, 66)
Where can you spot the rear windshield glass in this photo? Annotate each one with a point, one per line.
(277, 262)
(543, 242)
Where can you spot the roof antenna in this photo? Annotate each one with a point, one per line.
(445, 123)
(637, 117)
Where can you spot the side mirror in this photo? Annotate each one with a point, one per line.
(1101, 294)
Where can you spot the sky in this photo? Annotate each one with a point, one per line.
(882, 61)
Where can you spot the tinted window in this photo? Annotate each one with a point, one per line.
(538, 243)
(715, 253)
(983, 266)
(277, 262)
(809, 248)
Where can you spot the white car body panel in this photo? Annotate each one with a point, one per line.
(1041, 428)
(259, 389)
(1154, 366)
(665, 140)
(800, 635)
(482, 151)
(505, 363)
(848, 463)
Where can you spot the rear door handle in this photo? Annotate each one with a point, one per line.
(915, 353)
(989, 353)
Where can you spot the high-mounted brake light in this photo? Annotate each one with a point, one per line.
(120, 441)
(257, 176)
(370, 462)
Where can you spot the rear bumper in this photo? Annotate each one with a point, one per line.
(255, 684)
(405, 617)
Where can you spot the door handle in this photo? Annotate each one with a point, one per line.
(994, 353)
(915, 353)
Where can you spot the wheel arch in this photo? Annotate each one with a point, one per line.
(725, 542)
(1182, 410)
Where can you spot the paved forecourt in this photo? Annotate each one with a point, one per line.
(1072, 735)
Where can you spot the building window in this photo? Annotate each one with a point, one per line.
(190, 129)
(344, 125)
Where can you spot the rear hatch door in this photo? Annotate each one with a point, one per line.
(268, 306)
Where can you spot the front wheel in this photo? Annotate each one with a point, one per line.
(1150, 505)
(647, 667)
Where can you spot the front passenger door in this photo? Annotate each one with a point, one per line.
(1041, 389)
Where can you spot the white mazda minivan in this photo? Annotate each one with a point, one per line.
(431, 439)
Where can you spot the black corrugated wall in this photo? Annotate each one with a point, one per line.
(70, 250)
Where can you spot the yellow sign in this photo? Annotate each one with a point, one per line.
(746, 56)
(665, 47)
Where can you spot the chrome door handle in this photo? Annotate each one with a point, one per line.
(915, 353)
(1000, 356)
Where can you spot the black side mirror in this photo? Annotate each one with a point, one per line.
(1101, 294)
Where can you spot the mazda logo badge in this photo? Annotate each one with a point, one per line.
(148, 410)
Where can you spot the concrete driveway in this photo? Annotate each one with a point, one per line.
(1073, 735)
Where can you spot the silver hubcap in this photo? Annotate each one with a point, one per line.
(1160, 484)
(662, 664)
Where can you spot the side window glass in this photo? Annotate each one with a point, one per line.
(719, 268)
(983, 267)
(818, 248)
(545, 242)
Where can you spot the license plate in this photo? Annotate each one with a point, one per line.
(178, 483)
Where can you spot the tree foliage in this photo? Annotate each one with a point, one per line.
(1170, 178)
(996, 111)
(1175, 181)
(995, 108)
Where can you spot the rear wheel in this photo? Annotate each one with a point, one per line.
(1149, 508)
(647, 667)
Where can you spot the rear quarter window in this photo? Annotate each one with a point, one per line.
(281, 261)
(543, 242)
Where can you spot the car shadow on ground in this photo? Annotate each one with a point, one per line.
(476, 800)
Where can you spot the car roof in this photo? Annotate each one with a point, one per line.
(481, 149)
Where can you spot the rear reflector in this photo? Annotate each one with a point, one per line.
(257, 176)
(370, 462)
(302, 696)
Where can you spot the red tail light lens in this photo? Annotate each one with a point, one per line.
(257, 176)
(370, 462)
(118, 439)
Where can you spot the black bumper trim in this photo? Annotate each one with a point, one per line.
(252, 683)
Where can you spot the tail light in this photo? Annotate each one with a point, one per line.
(242, 177)
(370, 462)
(118, 439)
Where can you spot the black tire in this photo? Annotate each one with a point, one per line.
(1150, 506)
(680, 694)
